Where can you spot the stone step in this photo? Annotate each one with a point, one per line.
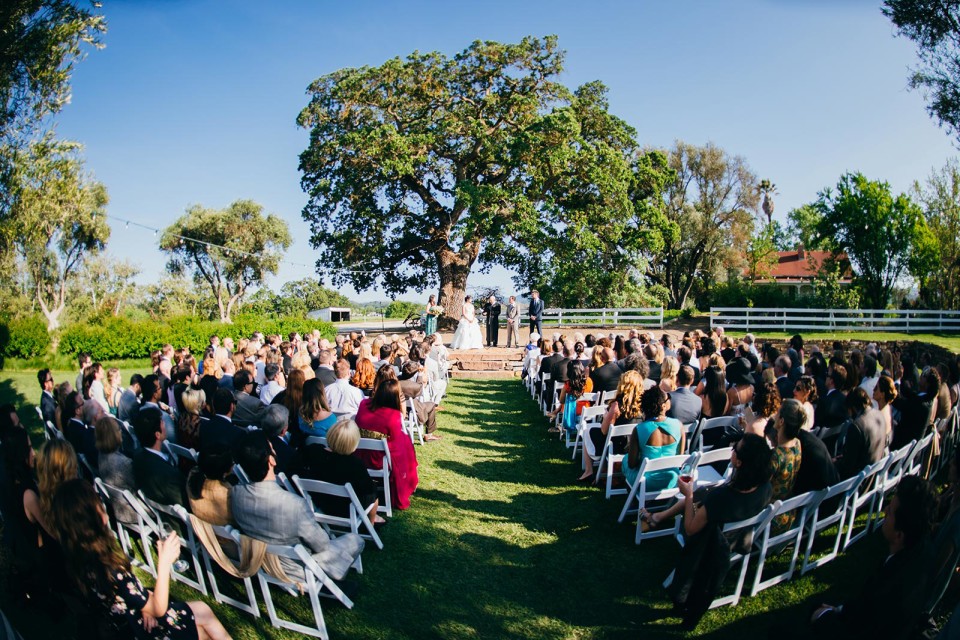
(487, 375)
(483, 365)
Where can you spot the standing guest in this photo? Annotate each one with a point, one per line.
(336, 464)
(491, 311)
(430, 326)
(272, 387)
(342, 397)
(685, 405)
(513, 323)
(208, 486)
(115, 468)
(103, 574)
(382, 413)
(264, 510)
(48, 405)
(657, 436)
(866, 435)
(315, 414)
(805, 392)
(536, 312)
(152, 472)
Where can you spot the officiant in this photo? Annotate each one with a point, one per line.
(492, 311)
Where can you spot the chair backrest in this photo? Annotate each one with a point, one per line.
(845, 486)
(650, 465)
(241, 474)
(608, 396)
(708, 424)
(591, 415)
(914, 461)
(618, 430)
(317, 440)
(754, 522)
(376, 444)
(588, 397)
(802, 503)
(182, 452)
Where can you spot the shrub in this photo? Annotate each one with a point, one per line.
(24, 337)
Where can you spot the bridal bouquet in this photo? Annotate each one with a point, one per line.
(435, 310)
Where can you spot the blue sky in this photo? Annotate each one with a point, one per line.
(195, 101)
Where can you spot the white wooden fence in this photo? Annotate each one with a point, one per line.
(903, 321)
(643, 317)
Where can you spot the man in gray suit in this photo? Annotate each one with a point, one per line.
(265, 511)
(513, 323)
(866, 436)
(685, 405)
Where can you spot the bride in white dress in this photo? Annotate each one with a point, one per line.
(468, 335)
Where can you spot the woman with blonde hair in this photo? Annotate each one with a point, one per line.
(301, 362)
(625, 409)
(669, 369)
(212, 368)
(188, 420)
(364, 375)
(112, 389)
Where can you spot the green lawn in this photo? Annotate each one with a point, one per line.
(500, 542)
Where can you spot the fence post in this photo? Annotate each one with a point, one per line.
(616, 316)
(833, 321)
(908, 322)
(559, 317)
(661, 318)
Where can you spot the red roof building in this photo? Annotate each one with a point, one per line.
(798, 268)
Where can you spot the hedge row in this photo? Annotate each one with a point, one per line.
(115, 338)
(25, 337)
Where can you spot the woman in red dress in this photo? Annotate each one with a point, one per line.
(381, 413)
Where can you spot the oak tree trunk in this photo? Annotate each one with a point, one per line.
(454, 268)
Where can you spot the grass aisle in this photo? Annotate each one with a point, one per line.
(500, 542)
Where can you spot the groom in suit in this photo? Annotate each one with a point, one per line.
(536, 312)
(492, 311)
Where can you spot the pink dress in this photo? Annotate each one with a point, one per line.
(403, 476)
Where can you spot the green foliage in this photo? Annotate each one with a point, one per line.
(884, 237)
(296, 298)
(826, 293)
(119, 337)
(761, 253)
(24, 337)
(402, 308)
(242, 247)
(934, 26)
(940, 198)
(803, 227)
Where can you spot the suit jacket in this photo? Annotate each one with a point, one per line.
(249, 409)
(785, 386)
(492, 311)
(606, 377)
(326, 376)
(816, 465)
(48, 407)
(285, 454)
(864, 443)
(916, 414)
(158, 479)
(513, 312)
(219, 429)
(263, 510)
(831, 410)
(82, 438)
(536, 309)
(128, 408)
(685, 405)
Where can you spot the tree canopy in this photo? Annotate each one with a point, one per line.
(884, 236)
(237, 247)
(939, 196)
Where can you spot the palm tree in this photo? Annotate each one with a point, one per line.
(768, 189)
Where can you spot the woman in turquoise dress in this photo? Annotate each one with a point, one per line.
(430, 326)
(315, 414)
(657, 436)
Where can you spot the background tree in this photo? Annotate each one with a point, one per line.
(414, 164)
(884, 237)
(803, 227)
(57, 220)
(296, 298)
(768, 190)
(239, 247)
(762, 253)
(108, 283)
(711, 202)
(177, 295)
(940, 198)
(934, 26)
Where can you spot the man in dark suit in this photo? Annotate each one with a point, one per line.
(832, 408)
(916, 410)
(220, 427)
(153, 473)
(781, 369)
(685, 405)
(78, 433)
(276, 420)
(558, 370)
(129, 405)
(491, 310)
(48, 406)
(546, 366)
(817, 471)
(325, 372)
(606, 377)
(536, 312)
(249, 409)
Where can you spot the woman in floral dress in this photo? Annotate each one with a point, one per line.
(102, 572)
(785, 462)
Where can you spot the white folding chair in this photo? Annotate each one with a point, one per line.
(412, 424)
(735, 530)
(86, 469)
(772, 543)
(830, 436)
(865, 498)
(589, 417)
(608, 396)
(918, 456)
(839, 495)
(357, 514)
(690, 430)
(314, 581)
(709, 424)
(608, 458)
(374, 444)
(179, 452)
(144, 528)
(40, 415)
(50, 432)
(188, 541)
(229, 535)
(284, 482)
(706, 474)
(565, 434)
(543, 392)
(110, 495)
(241, 474)
(643, 497)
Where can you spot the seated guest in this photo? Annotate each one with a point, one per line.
(668, 374)
(115, 468)
(549, 355)
(382, 413)
(249, 409)
(315, 414)
(411, 386)
(103, 574)
(832, 408)
(607, 376)
(685, 405)
(570, 404)
(384, 352)
(229, 370)
(152, 471)
(946, 543)
(704, 559)
(48, 405)
(267, 392)
(916, 410)
(884, 393)
(325, 371)
(188, 420)
(292, 397)
(432, 368)
(657, 436)
(336, 464)
(781, 369)
(220, 428)
(265, 511)
(739, 375)
(786, 459)
(275, 422)
(817, 471)
(77, 432)
(805, 392)
(152, 392)
(342, 397)
(129, 404)
(558, 370)
(208, 486)
(760, 418)
(894, 589)
(866, 436)
(625, 409)
(713, 394)
(363, 376)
